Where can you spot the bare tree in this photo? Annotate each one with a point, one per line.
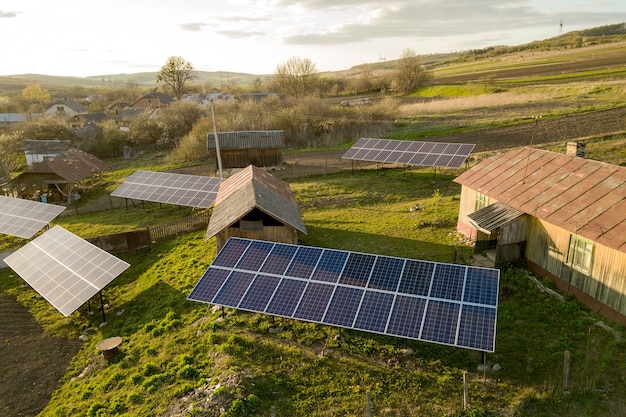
(410, 74)
(176, 73)
(296, 77)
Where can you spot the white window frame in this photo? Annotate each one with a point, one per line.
(580, 254)
(482, 201)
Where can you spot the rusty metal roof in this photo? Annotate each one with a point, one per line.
(489, 218)
(248, 139)
(73, 166)
(580, 195)
(253, 188)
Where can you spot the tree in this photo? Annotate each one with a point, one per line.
(409, 74)
(296, 77)
(35, 94)
(176, 73)
(10, 154)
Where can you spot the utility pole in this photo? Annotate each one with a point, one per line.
(217, 142)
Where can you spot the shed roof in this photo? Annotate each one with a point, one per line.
(248, 139)
(253, 188)
(489, 218)
(580, 195)
(73, 166)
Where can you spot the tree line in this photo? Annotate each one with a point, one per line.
(302, 104)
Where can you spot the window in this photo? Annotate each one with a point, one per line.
(579, 253)
(481, 201)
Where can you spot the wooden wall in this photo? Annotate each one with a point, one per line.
(282, 234)
(547, 248)
(241, 158)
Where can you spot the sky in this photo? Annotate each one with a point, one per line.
(86, 38)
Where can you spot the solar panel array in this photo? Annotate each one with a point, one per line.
(65, 269)
(435, 302)
(436, 154)
(24, 218)
(163, 187)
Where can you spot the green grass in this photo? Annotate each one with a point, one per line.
(172, 346)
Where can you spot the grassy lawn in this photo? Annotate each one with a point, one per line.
(178, 354)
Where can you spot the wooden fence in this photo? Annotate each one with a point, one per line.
(187, 224)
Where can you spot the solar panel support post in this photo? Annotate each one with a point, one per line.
(104, 319)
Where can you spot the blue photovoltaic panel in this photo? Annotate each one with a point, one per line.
(443, 303)
(260, 292)
(357, 269)
(164, 187)
(374, 311)
(344, 306)
(314, 302)
(437, 154)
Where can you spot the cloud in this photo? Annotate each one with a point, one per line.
(7, 15)
(193, 26)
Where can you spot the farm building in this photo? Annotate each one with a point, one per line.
(564, 214)
(254, 204)
(56, 177)
(263, 148)
(36, 150)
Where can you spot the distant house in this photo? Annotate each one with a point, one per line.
(64, 109)
(36, 150)
(59, 176)
(152, 100)
(88, 118)
(8, 119)
(263, 148)
(205, 98)
(563, 214)
(254, 204)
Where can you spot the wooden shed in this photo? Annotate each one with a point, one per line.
(254, 204)
(263, 148)
(59, 174)
(564, 214)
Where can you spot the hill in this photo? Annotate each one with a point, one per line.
(571, 40)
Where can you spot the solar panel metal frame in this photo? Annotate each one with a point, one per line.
(65, 269)
(23, 218)
(164, 187)
(449, 304)
(437, 154)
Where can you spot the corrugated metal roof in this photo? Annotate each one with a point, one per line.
(489, 218)
(580, 195)
(44, 146)
(253, 188)
(248, 139)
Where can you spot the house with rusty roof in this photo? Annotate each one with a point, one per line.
(563, 214)
(254, 204)
(153, 100)
(263, 148)
(60, 176)
(36, 150)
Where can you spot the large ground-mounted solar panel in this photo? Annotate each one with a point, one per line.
(24, 218)
(443, 303)
(65, 269)
(407, 152)
(163, 187)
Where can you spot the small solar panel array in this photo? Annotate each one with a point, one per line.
(65, 269)
(435, 302)
(24, 218)
(435, 154)
(163, 187)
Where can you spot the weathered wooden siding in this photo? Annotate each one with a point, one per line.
(606, 282)
(467, 205)
(241, 158)
(282, 234)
